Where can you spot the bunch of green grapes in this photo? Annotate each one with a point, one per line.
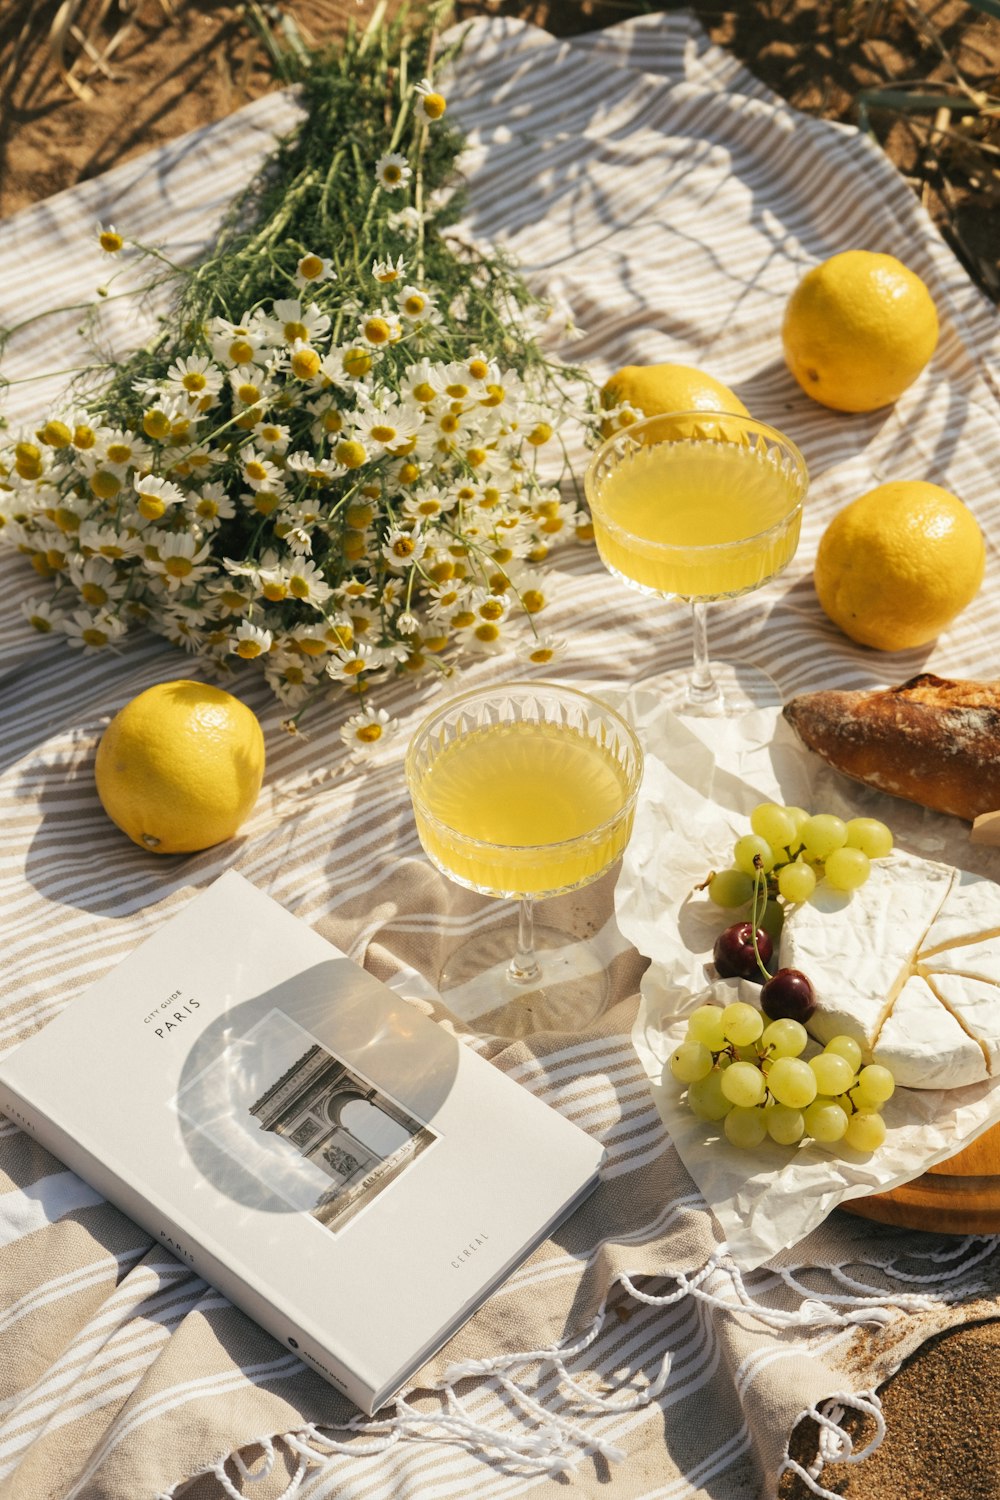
(796, 848)
(753, 1077)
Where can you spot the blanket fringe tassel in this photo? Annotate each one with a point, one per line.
(554, 1442)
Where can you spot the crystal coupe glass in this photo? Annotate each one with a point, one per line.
(524, 791)
(699, 507)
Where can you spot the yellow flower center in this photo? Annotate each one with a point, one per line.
(475, 457)
(94, 637)
(359, 516)
(494, 395)
(110, 241)
(351, 454)
(478, 369)
(298, 587)
(392, 174)
(178, 567)
(305, 364)
(104, 484)
(414, 305)
(487, 632)
(155, 423)
(383, 433)
(377, 331)
(541, 655)
(332, 421)
(56, 434)
(429, 507)
(462, 619)
(151, 507)
(254, 469)
(539, 434)
(310, 266)
(207, 510)
(274, 590)
(533, 600)
(441, 572)
(234, 602)
(308, 646)
(368, 733)
(585, 531)
(55, 559)
(241, 351)
(491, 609)
(266, 502)
(270, 434)
(353, 667)
(403, 547)
(41, 624)
(434, 106)
(357, 362)
(296, 333)
(408, 473)
(119, 453)
(424, 392)
(194, 380)
(92, 593)
(248, 393)
(248, 649)
(449, 422)
(66, 519)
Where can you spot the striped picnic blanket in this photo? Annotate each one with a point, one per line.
(649, 181)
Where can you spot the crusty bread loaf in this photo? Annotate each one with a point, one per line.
(930, 740)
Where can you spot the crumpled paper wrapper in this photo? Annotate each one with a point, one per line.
(703, 778)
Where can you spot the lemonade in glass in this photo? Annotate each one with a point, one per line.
(524, 791)
(698, 507)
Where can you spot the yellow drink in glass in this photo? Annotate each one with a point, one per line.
(698, 519)
(523, 808)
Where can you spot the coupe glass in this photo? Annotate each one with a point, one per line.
(524, 791)
(694, 506)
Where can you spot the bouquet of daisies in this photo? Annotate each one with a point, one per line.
(328, 460)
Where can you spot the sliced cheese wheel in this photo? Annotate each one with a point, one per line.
(971, 911)
(859, 950)
(977, 1007)
(924, 1046)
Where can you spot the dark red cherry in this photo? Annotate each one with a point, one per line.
(788, 995)
(733, 953)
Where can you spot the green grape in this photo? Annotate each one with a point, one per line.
(773, 824)
(785, 1038)
(797, 881)
(870, 836)
(821, 834)
(743, 1085)
(846, 869)
(746, 848)
(706, 1099)
(846, 1047)
(834, 1075)
(705, 1025)
(773, 920)
(875, 1085)
(865, 1131)
(798, 816)
(791, 1081)
(742, 1023)
(745, 1128)
(730, 888)
(784, 1125)
(826, 1121)
(690, 1061)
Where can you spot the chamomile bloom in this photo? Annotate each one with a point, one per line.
(195, 377)
(291, 678)
(97, 582)
(210, 506)
(485, 637)
(401, 549)
(92, 632)
(313, 269)
(110, 241)
(122, 449)
(392, 171)
(386, 427)
(250, 641)
(239, 344)
(318, 471)
(306, 583)
(414, 304)
(377, 329)
(258, 471)
(181, 561)
(388, 271)
(349, 662)
(429, 105)
(540, 651)
(406, 220)
(272, 437)
(154, 497)
(365, 733)
(292, 322)
(42, 615)
(110, 542)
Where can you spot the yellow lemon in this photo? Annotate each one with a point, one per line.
(858, 330)
(898, 564)
(651, 390)
(180, 766)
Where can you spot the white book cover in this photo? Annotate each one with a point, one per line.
(342, 1168)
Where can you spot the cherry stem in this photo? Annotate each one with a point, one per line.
(758, 881)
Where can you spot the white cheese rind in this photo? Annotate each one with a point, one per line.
(971, 911)
(977, 1006)
(858, 950)
(923, 1045)
(979, 960)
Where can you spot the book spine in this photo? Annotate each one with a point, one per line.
(183, 1241)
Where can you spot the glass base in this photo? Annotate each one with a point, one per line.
(736, 687)
(570, 992)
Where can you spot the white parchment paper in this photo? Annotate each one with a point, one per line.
(702, 780)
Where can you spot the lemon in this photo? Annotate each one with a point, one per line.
(651, 390)
(180, 766)
(858, 329)
(898, 564)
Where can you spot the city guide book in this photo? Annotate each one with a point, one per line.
(337, 1164)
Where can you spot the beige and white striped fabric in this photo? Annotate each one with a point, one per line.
(651, 182)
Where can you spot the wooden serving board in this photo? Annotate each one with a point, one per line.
(958, 1196)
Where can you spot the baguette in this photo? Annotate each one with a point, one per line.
(931, 740)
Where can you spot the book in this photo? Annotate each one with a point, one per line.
(339, 1166)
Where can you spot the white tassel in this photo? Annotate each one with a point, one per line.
(835, 1444)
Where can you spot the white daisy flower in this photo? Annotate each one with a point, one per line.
(273, 437)
(210, 506)
(250, 641)
(97, 582)
(307, 584)
(42, 615)
(195, 377)
(296, 323)
(242, 344)
(92, 632)
(181, 561)
(110, 241)
(401, 549)
(540, 651)
(154, 496)
(429, 105)
(392, 171)
(258, 471)
(348, 662)
(291, 679)
(386, 427)
(366, 733)
(313, 269)
(414, 304)
(387, 271)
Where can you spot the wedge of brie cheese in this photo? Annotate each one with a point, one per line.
(909, 965)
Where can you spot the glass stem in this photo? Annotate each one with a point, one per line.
(523, 967)
(702, 686)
